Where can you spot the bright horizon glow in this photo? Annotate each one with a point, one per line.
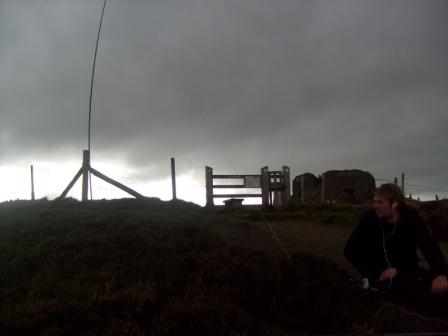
(50, 179)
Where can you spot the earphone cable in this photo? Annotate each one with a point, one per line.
(386, 256)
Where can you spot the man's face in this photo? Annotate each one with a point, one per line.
(383, 207)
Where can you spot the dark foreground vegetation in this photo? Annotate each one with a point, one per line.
(129, 267)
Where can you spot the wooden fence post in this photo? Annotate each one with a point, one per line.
(173, 177)
(85, 173)
(286, 194)
(402, 183)
(32, 184)
(209, 186)
(265, 186)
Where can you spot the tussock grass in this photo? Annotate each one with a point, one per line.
(148, 267)
(329, 214)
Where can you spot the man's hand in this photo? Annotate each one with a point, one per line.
(388, 274)
(439, 284)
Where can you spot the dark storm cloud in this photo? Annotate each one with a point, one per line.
(44, 77)
(315, 85)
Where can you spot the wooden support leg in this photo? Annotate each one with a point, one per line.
(72, 183)
(115, 183)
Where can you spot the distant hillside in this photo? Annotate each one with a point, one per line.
(147, 267)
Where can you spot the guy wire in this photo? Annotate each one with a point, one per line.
(91, 89)
(216, 141)
(274, 234)
(410, 313)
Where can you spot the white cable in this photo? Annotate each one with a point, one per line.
(410, 313)
(274, 234)
(288, 256)
(385, 250)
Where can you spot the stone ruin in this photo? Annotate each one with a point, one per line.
(334, 186)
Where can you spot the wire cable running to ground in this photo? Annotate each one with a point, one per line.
(274, 234)
(217, 143)
(269, 225)
(410, 313)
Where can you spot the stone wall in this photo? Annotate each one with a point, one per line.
(349, 186)
(341, 186)
(311, 186)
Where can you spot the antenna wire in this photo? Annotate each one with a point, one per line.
(91, 90)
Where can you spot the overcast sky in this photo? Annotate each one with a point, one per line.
(312, 84)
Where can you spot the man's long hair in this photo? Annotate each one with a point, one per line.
(392, 193)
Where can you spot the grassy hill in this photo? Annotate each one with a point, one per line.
(147, 267)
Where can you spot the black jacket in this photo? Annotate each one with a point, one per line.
(367, 253)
